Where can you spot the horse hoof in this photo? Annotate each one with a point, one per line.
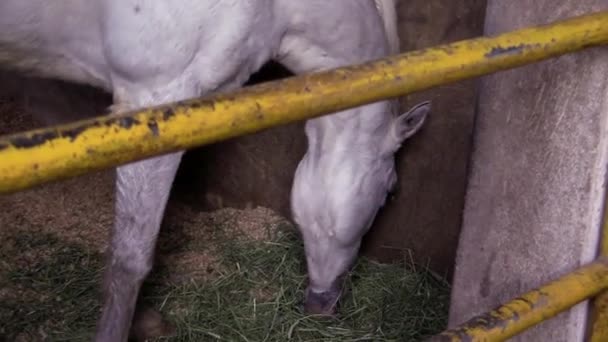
(149, 324)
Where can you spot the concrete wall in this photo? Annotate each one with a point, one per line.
(425, 215)
(538, 171)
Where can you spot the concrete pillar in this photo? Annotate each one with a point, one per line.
(537, 174)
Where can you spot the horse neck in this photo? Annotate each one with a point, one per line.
(362, 128)
(388, 12)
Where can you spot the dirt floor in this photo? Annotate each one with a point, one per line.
(223, 275)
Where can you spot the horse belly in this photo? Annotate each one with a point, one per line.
(55, 39)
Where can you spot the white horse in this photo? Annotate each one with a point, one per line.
(149, 52)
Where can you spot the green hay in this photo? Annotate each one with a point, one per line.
(54, 295)
(254, 295)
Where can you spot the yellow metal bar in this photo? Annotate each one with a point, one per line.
(55, 153)
(533, 307)
(599, 314)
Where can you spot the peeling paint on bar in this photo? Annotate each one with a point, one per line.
(513, 49)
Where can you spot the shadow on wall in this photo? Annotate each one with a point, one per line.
(424, 217)
(251, 170)
(48, 102)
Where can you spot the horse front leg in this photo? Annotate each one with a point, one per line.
(142, 190)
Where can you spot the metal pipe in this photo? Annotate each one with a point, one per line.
(54, 153)
(533, 307)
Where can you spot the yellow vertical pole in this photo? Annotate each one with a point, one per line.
(599, 314)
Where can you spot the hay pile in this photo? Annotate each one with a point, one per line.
(230, 275)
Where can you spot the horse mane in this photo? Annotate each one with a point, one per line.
(388, 12)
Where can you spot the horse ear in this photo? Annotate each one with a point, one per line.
(407, 124)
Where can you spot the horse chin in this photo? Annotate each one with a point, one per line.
(324, 304)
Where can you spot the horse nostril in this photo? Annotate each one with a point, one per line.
(321, 303)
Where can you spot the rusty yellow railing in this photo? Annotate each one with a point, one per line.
(39, 156)
(44, 155)
(533, 307)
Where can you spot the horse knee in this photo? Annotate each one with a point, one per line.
(130, 265)
(136, 262)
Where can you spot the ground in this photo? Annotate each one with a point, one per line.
(233, 275)
(227, 275)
